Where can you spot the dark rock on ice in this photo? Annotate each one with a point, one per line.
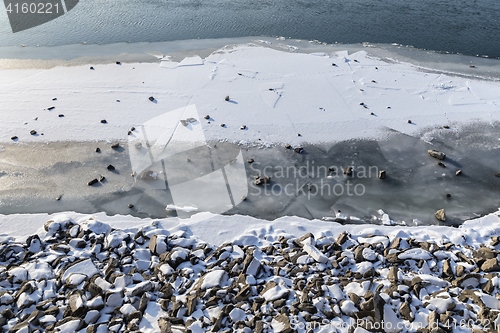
(261, 180)
(436, 154)
(348, 171)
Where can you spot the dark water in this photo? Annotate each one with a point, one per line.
(462, 26)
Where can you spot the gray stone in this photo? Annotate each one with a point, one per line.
(436, 154)
(76, 304)
(440, 215)
(343, 237)
(490, 265)
(393, 274)
(405, 311)
(447, 270)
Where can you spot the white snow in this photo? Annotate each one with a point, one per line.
(37, 271)
(315, 253)
(202, 225)
(490, 301)
(415, 254)
(213, 279)
(369, 254)
(349, 308)
(103, 284)
(92, 316)
(391, 320)
(275, 293)
(237, 314)
(75, 279)
(85, 267)
(253, 267)
(359, 289)
(95, 302)
(127, 309)
(69, 327)
(48, 319)
(300, 83)
(149, 322)
(441, 304)
(19, 274)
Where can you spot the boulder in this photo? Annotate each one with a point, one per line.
(261, 180)
(298, 150)
(490, 265)
(76, 305)
(440, 215)
(436, 154)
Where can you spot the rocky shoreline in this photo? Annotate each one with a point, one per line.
(86, 276)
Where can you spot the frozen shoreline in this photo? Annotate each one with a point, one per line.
(276, 94)
(276, 97)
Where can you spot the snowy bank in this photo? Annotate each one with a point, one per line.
(80, 274)
(275, 95)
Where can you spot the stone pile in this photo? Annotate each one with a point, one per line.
(89, 277)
